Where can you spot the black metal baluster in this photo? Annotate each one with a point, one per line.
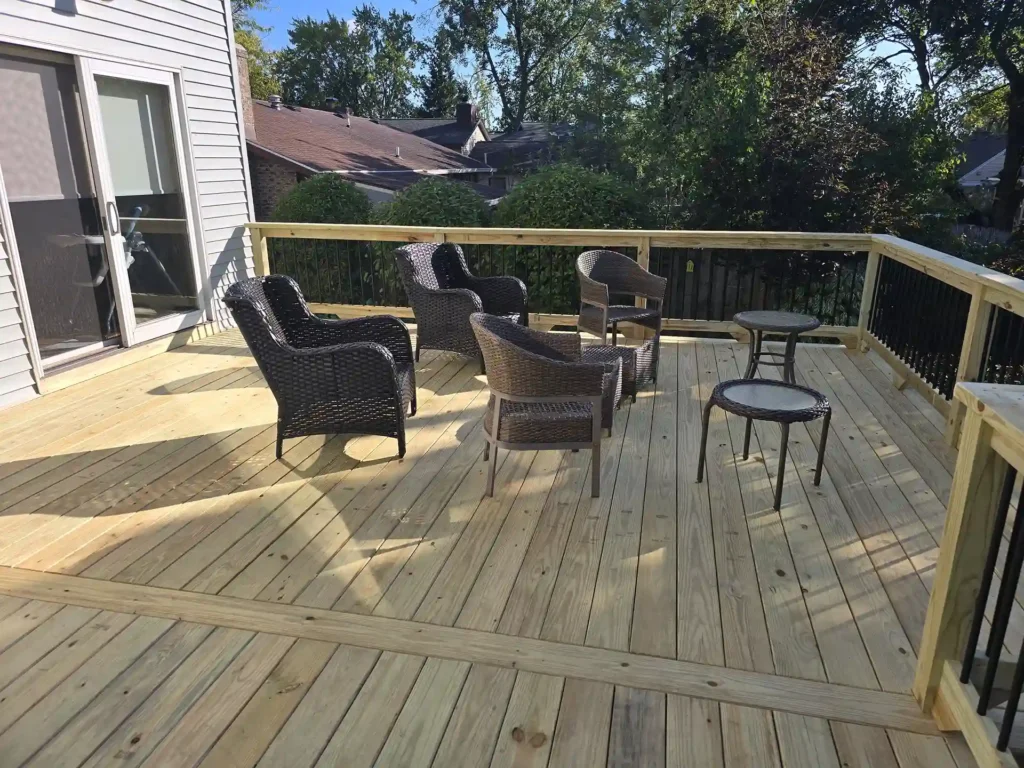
(986, 575)
(1004, 604)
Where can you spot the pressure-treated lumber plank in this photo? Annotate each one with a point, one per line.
(742, 687)
(248, 736)
(202, 725)
(33, 729)
(637, 731)
(86, 731)
(135, 738)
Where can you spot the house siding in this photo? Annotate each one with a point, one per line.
(194, 38)
(17, 382)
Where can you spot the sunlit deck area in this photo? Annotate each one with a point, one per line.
(172, 595)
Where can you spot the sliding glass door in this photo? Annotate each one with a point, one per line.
(132, 114)
(93, 172)
(51, 194)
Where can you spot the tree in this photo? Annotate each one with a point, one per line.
(367, 64)
(262, 81)
(990, 34)
(394, 53)
(518, 43)
(441, 90)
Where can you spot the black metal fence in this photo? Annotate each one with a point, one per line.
(703, 284)
(922, 320)
(715, 284)
(1003, 356)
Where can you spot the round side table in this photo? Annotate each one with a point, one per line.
(789, 324)
(764, 400)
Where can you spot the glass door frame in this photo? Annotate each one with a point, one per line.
(133, 333)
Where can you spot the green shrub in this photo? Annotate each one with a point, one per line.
(324, 199)
(434, 202)
(563, 196)
(567, 196)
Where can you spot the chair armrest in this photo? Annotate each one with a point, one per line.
(592, 292)
(651, 286)
(500, 295)
(386, 330)
(457, 302)
(358, 369)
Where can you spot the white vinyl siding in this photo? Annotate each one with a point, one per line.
(16, 381)
(191, 37)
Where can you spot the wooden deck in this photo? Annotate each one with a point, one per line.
(175, 597)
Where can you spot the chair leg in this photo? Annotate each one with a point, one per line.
(821, 446)
(401, 443)
(490, 472)
(782, 466)
(280, 443)
(615, 333)
(595, 471)
(703, 442)
(417, 348)
(746, 439)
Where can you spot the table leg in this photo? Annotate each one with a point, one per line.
(821, 446)
(615, 333)
(746, 439)
(782, 466)
(752, 356)
(788, 372)
(703, 441)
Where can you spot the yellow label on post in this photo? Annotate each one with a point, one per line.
(689, 265)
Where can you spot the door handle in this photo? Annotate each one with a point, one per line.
(113, 219)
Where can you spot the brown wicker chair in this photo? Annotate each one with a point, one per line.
(443, 294)
(328, 375)
(604, 274)
(542, 397)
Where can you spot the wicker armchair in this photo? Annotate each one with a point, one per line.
(604, 274)
(327, 375)
(542, 396)
(443, 294)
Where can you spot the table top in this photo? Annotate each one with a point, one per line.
(771, 320)
(769, 396)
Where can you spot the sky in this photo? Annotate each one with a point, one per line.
(279, 14)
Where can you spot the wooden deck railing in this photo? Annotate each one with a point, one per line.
(935, 319)
(956, 682)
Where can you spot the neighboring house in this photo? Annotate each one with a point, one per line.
(288, 144)
(516, 153)
(123, 182)
(460, 134)
(983, 159)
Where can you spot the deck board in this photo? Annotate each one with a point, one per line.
(830, 589)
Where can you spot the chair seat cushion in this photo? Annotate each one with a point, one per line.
(541, 422)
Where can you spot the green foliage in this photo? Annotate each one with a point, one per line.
(434, 202)
(523, 44)
(367, 64)
(570, 196)
(263, 83)
(441, 90)
(324, 199)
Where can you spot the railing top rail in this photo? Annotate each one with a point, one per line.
(997, 288)
(811, 241)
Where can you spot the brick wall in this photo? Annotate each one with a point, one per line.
(270, 182)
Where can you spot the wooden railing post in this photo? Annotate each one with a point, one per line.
(260, 254)
(867, 297)
(971, 353)
(643, 258)
(970, 515)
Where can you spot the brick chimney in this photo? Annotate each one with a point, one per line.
(466, 114)
(244, 91)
